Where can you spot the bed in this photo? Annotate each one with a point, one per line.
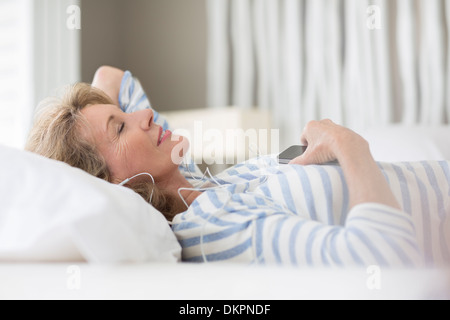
(66, 235)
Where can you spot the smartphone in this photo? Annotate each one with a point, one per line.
(290, 153)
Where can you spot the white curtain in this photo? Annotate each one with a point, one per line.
(360, 63)
(39, 52)
(16, 83)
(57, 48)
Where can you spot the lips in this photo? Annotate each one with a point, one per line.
(163, 135)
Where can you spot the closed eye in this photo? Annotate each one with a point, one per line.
(121, 128)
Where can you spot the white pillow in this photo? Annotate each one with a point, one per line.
(50, 211)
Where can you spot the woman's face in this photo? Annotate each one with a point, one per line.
(132, 143)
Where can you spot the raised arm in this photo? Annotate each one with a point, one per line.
(328, 141)
(109, 79)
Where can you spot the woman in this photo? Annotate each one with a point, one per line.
(357, 212)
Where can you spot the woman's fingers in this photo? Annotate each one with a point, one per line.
(304, 160)
(319, 137)
(314, 155)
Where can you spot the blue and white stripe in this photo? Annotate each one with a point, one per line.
(299, 215)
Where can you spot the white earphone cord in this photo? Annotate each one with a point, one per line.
(138, 175)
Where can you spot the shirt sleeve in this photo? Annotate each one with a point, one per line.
(260, 231)
(132, 98)
(373, 234)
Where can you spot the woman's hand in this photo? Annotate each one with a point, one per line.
(108, 79)
(328, 141)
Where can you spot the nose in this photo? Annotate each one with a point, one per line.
(145, 118)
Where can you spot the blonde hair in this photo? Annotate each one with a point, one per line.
(56, 135)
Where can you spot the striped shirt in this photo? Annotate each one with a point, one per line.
(300, 215)
(261, 212)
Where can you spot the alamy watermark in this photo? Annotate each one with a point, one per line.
(232, 146)
(73, 21)
(373, 281)
(73, 282)
(373, 21)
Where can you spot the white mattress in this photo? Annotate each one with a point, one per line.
(217, 282)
